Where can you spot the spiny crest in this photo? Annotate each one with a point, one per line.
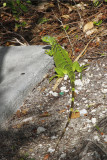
(48, 39)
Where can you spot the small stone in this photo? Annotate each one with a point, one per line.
(53, 137)
(28, 119)
(104, 90)
(55, 94)
(105, 138)
(78, 82)
(50, 150)
(63, 88)
(83, 112)
(96, 138)
(93, 120)
(65, 77)
(40, 130)
(63, 155)
(94, 110)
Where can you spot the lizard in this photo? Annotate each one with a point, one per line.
(64, 66)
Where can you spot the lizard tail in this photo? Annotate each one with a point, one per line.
(70, 114)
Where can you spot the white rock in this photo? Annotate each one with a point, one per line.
(55, 94)
(86, 81)
(94, 110)
(76, 91)
(79, 87)
(28, 119)
(104, 90)
(63, 88)
(93, 120)
(40, 145)
(50, 150)
(88, 120)
(96, 138)
(105, 138)
(82, 112)
(40, 130)
(78, 82)
(53, 137)
(85, 60)
(65, 77)
(63, 155)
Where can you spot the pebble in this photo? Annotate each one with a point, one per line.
(96, 138)
(40, 130)
(63, 89)
(53, 137)
(82, 112)
(105, 138)
(28, 119)
(50, 150)
(63, 155)
(65, 77)
(104, 90)
(78, 82)
(55, 94)
(93, 120)
(94, 110)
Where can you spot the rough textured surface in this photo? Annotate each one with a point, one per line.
(33, 131)
(21, 68)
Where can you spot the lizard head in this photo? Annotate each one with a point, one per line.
(48, 39)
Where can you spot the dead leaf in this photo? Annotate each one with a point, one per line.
(61, 111)
(57, 83)
(77, 50)
(75, 115)
(45, 114)
(91, 31)
(88, 26)
(46, 157)
(65, 16)
(25, 111)
(18, 113)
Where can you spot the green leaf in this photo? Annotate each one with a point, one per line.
(42, 20)
(18, 1)
(23, 7)
(97, 23)
(76, 36)
(28, 1)
(23, 24)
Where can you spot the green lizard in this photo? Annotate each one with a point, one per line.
(64, 65)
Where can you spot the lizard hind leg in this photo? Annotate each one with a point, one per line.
(58, 75)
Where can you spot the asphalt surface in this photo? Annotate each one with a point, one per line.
(21, 69)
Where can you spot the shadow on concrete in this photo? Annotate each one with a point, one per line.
(13, 139)
(3, 52)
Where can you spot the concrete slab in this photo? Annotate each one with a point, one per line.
(21, 68)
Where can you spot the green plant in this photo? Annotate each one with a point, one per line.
(97, 23)
(66, 27)
(96, 3)
(42, 20)
(17, 7)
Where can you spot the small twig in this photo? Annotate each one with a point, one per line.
(77, 10)
(15, 40)
(65, 33)
(19, 36)
(84, 49)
